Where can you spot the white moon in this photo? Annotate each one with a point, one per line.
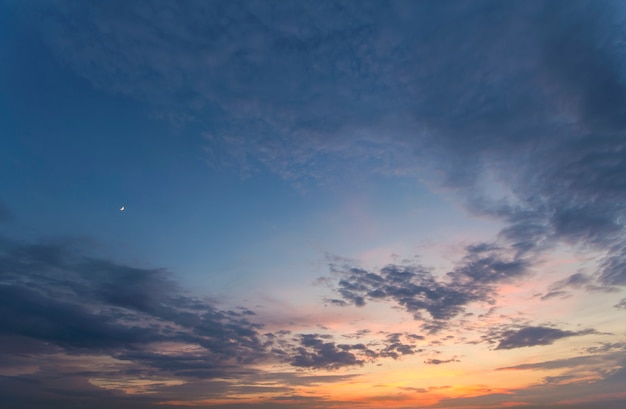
(122, 209)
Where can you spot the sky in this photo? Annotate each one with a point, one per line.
(312, 204)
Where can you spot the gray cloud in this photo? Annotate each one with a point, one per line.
(529, 93)
(412, 287)
(555, 294)
(315, 353)
(533, 336)
(320, 351)
(577, 280)
(417, 290)
(582, 281)
(613, 269)
(53, 294)
(394, 347)
(56, 300)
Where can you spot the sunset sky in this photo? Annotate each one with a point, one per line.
(312, 204)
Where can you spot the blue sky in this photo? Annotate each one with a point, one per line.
(326, 204)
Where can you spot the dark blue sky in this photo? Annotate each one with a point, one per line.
(334, 203)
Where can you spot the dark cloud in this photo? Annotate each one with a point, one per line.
(395, 347)
(527, 95)
(315, 353)
(320, 351)
(412, 287)
(577, 280)
(51, 293)
(56, 301)
(621, 304)
(488, 265)
(417, 290)
(27, 313)
(605, 347)
(533, 336)
(440, 361)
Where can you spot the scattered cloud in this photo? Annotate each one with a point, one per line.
(315, 353)
(555, 294)
(516, 108)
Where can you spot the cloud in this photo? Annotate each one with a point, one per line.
(533, 336)
(315, 353)
(53, 294)
(621, 304)
(577, 280)
(440, 361)
(319, 351)
(394, 347)
(56, 301)
(410, 286)
(475, 279)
